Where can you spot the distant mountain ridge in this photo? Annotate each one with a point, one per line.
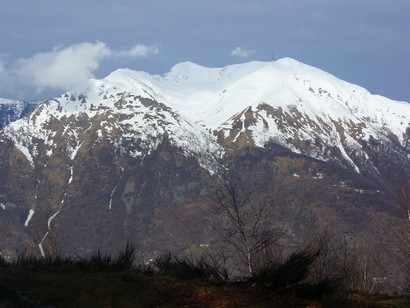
(11, 110)
(133, 155)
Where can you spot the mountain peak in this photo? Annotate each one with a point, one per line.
(135, 154)
(290, 62)
(185, 66)
(275, 96)
(211, 96)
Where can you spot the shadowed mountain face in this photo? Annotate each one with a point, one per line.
(135, 157)
(13, 110)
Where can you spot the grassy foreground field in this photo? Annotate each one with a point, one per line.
(105, 281)
(45, 288)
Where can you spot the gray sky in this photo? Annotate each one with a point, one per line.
(48, 46)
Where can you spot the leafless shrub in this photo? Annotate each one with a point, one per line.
(356, 267)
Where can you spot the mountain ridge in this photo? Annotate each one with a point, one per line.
(286, 67)
(134, 154)
(288, 100)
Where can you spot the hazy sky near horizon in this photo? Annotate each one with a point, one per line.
(49, 46)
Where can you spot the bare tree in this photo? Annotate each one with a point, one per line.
(245, 226)
(401, 234)
(353, 265)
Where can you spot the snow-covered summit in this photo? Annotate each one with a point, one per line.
(301, 107)
(306, 105)
(210, 96)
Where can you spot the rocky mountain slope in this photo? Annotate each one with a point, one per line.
(133, 156)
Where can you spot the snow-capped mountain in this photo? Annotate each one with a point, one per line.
(129, 154)
(11, 110)
(298, 106)
(132, 123)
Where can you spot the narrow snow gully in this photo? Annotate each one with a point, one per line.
(70, 180)
(51, 218)
(115, 187)
(33, 208)
(111, 196)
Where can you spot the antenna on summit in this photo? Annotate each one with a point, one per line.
(273, 57)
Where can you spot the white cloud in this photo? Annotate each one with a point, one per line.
(2, 68)
(3, 63)
(6, 80)
(140, 50)
(240, 52)
(63, 67)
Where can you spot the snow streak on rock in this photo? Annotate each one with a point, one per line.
(30, 215)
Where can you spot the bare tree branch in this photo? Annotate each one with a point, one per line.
(245, 227)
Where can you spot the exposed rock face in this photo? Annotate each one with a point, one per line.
(135, 157)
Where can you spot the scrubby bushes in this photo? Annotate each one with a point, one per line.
(3, 262)
(184, 268)
(306, 272)
(295, 274)
(33, 262)
(100, 261)
(293, 271)
(125, 260)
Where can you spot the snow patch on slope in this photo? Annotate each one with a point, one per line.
(30, 215)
